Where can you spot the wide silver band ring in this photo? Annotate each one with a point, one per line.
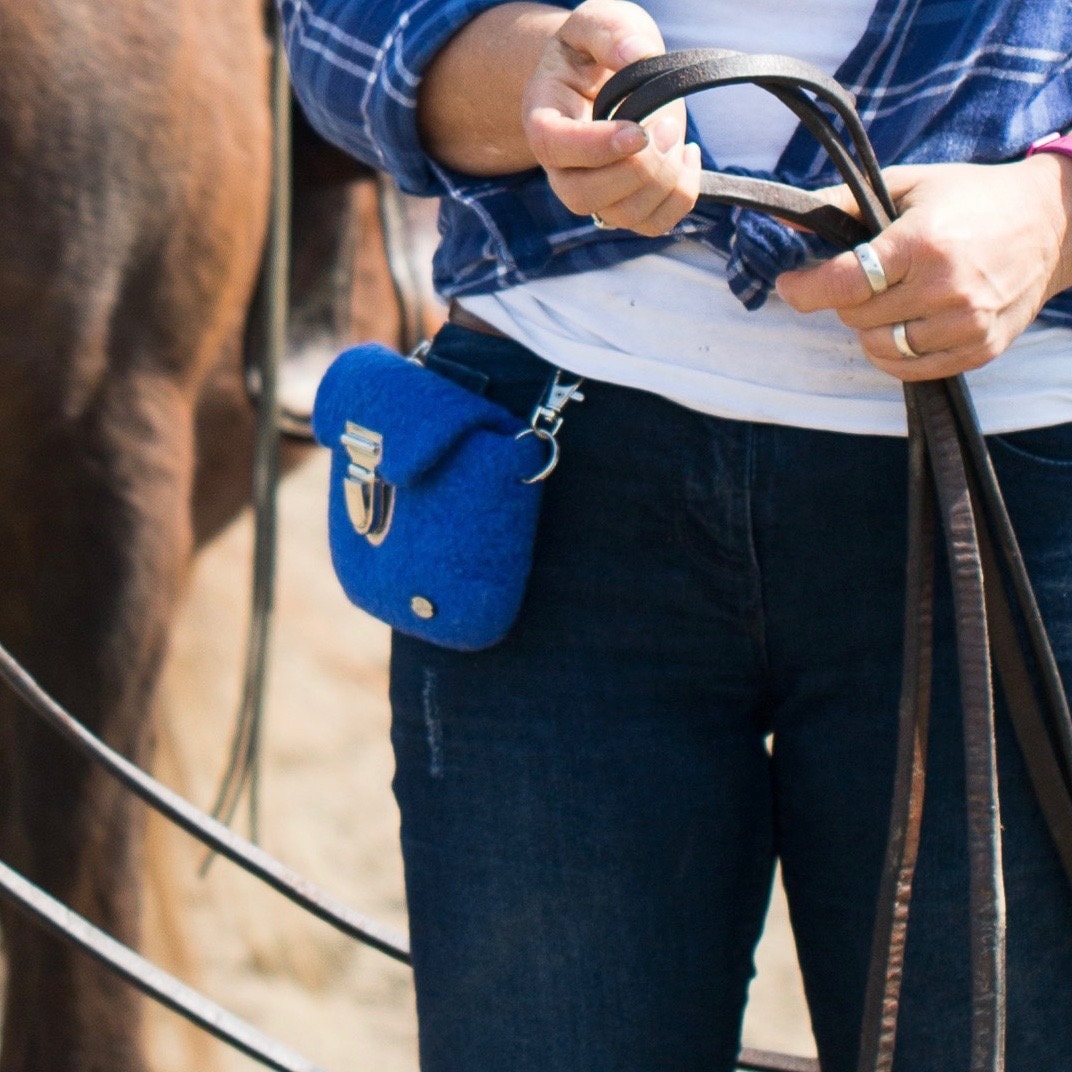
(900, 340)
(872, 266)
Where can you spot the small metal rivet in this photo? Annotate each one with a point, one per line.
(423, 608)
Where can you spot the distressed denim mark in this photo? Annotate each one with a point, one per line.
(432, 723)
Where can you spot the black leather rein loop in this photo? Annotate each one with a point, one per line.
(639, 90)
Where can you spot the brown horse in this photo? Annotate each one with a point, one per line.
(135, 143)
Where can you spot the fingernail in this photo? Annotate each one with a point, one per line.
(630, 138)
(633, 48)
(666, 133)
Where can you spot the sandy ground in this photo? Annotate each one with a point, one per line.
(327, 812)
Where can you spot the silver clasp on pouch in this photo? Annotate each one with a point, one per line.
(369, 499)
(547, 419)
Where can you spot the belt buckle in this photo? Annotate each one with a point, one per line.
(370, 499)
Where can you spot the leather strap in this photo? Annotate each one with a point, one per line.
(272, 304)
(638, 90)
(461, 316)
(210, 832)
(147, 977)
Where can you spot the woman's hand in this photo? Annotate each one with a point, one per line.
(641, 178)
(514, 89)
(976, 252)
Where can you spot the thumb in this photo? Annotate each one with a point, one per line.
(614, 33)
(840, 197)
(900, 181)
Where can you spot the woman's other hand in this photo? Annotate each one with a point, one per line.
(976, 252)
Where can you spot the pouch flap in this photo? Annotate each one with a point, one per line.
(420, 414)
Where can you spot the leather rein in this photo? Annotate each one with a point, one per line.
(950, 476)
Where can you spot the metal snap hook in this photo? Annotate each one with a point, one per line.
(552, 460)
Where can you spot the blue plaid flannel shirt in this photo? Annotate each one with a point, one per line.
(934, 80)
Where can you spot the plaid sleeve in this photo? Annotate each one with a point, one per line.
(356, 66)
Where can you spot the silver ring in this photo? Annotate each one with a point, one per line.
(872, 266)
(900, 340)
(601, 223)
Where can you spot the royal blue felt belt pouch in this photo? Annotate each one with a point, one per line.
(430, 521)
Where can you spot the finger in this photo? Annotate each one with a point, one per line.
(677, 205)
(648, 176)
(612, 33)
(653, 178)
(602, 190)
(900, 179)
(884, 353)
(560, 142)
(636, 213)
(840, 283)
(975, 340)
(840, 197)
(939, 345)
(654, 210)
(917, 341)
(936, 366)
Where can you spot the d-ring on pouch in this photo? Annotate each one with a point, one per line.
(432, 507)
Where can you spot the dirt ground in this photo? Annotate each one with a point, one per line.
(327, 811)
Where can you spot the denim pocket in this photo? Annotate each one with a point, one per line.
(1034, 470)
(1051, 445)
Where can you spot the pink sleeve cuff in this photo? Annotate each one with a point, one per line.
(1052, 143)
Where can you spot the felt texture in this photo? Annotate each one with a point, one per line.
(464, 522)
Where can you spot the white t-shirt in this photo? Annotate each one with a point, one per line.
(668, 323)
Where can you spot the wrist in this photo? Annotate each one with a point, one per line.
(469, 104)
(1058, 143)
(1050, 162)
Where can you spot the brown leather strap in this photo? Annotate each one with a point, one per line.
(210, 832)
(461, 316)
(983, 813)
(640, 89)
(890, 935)
(38, 906)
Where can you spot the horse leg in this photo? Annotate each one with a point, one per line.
(131, 223)
(95, 538)
(97, 535)
(341, 291)
(342, 285)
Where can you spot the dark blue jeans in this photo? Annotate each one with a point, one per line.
(704, 678)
